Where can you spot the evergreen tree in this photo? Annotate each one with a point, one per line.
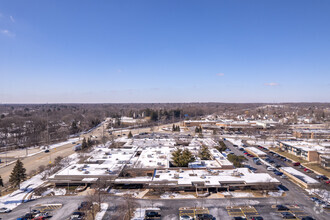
(89, 142)
(204, 153)
(173, 127)
(84, 144)
(1, 181)
(130, 135)
(18, 174)
(222, 147)
(182, 158)
(1, 184)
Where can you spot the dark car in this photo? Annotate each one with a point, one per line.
(239, 218)
(84, 205)
(257, 218)
(204, 217)
(47, 151)
(282, 208)
(307, 218)
(152, 214)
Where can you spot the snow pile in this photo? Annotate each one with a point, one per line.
(168, 195)
(55, 191)
(238, 194)
(139, 214)
(100, 214)
(276, 194)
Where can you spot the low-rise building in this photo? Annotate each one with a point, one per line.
(306, 150)
(312, 133)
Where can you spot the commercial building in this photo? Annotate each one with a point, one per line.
(148, 163)
(308, 151)
(312, 133)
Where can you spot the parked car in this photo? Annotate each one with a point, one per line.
(307, 218)
(307, 170)
(186, 217)
(296, 164)
(28, 216)
(39, 218)
(152, 214)
(4, 210)
(288, 215)
(44, 214)
(46, 151)
(278, 173)
(270, 168)
(322, 177)
(284, 176)
(257, 218)
(239, 218)
(84, 205)
(204, 217)
(77, 215)
(282, 208)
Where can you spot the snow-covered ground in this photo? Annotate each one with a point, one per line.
(266, 144)
(235, 141)
(322, 193)
(14, 199)
(139, 213)
(100, 214)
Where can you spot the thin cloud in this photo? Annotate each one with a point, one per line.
(272, 84)
(12, 19)
(220, 74)
(7, 33)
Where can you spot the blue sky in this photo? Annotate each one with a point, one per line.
(164, 51)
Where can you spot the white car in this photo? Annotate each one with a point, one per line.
(45, 214)
(284, 177)
(186, 217)
(270, 168)
(4, 210)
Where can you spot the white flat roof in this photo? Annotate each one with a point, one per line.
(300, 175)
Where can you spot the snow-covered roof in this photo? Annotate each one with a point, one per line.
(206, 177)
(256, 151)
(303, 177)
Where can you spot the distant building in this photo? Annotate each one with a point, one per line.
(312, 133)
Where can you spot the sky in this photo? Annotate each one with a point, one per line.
(78, 51)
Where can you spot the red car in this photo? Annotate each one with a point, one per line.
(245, 153)
(327, 182)
(296, 164)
